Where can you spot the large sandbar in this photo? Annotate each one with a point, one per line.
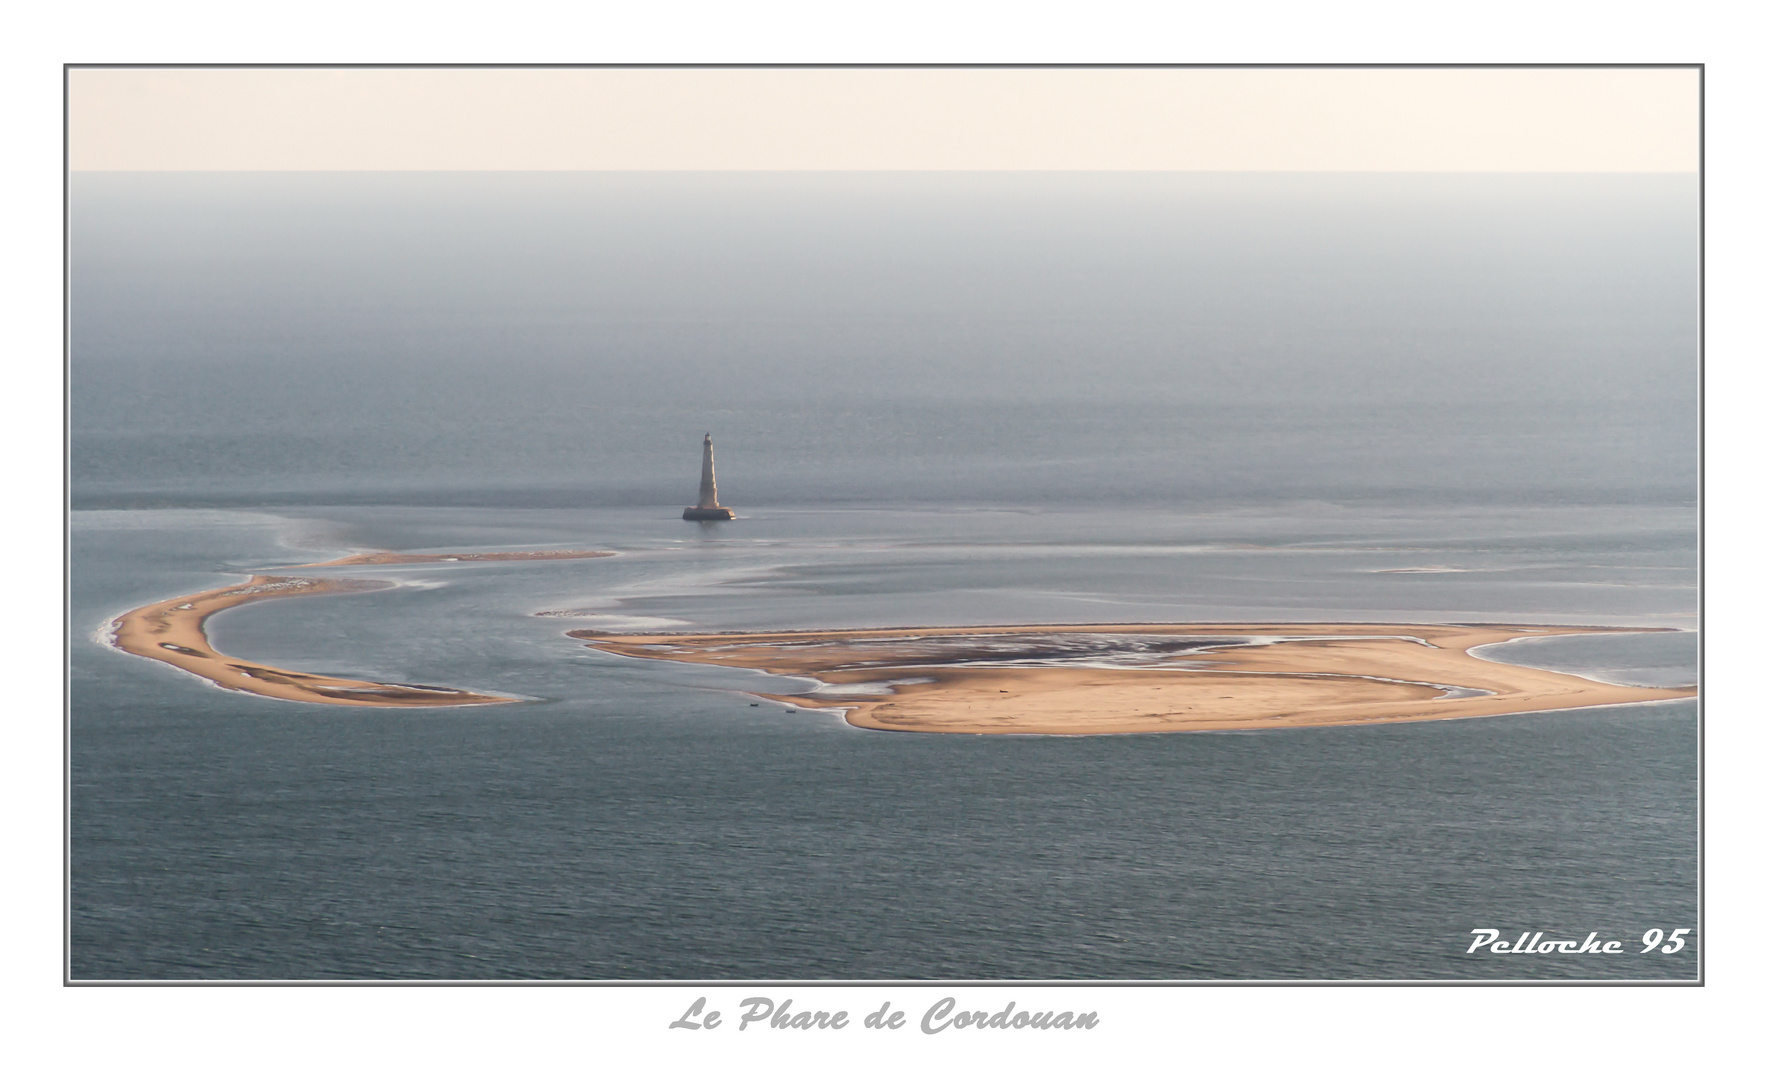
(1121, 678)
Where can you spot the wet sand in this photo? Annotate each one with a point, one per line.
(395, 558)
(171, 631)
(1112, 678)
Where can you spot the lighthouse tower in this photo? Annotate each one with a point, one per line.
(707, 509)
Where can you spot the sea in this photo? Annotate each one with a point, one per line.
(938, 399)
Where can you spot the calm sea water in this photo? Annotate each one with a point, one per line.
(938, 400)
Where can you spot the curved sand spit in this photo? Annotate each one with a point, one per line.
(171, 631)
(1182, 677)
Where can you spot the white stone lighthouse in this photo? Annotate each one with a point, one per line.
(707, 509)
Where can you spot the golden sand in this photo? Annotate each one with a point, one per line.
(171, 631)
(1290, 675)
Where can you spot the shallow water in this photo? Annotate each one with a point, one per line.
(638, 820)
(1043, 401)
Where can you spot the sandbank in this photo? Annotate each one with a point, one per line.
(1124, 678)
(171, 631)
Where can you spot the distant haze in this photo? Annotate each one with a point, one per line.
(558, 339)
(1160, 119)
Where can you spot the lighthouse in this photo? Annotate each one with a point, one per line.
(707, 509)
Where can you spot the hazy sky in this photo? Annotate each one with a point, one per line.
(1478, 120)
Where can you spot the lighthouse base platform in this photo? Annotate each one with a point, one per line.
(708, 513)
